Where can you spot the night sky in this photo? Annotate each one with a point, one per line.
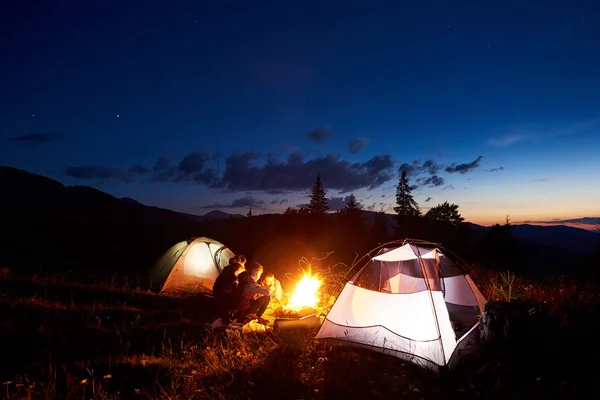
(196, 106)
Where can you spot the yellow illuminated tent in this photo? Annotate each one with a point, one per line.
(191, 266)
(411, 301)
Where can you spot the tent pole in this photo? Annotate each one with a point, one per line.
(437, 323)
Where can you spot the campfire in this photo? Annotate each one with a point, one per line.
(303, 299)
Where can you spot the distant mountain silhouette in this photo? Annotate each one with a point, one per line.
(215, 215)
(130, 200)
(557, 236)
(47, 225)
(575, 239)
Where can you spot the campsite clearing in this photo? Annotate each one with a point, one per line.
(67, 339)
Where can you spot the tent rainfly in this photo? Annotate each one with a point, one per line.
(410, 301)
(191, 266)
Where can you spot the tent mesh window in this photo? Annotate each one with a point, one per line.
(400, 276)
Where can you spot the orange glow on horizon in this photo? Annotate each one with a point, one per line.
(541, 221)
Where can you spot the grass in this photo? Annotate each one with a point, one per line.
(67, 340)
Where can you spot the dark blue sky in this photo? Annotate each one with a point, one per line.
(500, 96)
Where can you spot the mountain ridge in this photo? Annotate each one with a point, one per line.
(36, 198)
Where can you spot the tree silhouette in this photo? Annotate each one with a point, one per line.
(445, 224)
(296, 211)
(445, 214)
(290, 211)
(379, 229)
(249, 213)
(352, 211)
(499, 248)
(351, 229)
(407, 210)
(406, 204)
(318, 201)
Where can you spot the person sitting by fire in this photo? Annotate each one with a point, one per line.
(251, 300)
(274, 286)
(224, 287)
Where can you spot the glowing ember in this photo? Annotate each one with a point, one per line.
(305, 293)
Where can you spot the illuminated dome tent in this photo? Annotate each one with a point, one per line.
(409, 301)
(191, 266)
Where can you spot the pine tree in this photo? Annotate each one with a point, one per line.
(350, 230)
(249, 212)
(352, 212)
(407, 209)
(318, 201)
(406, 205)
(379, 229)
(351, 206)
(290, 211)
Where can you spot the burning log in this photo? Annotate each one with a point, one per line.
(304, 299)
(308, 323)
(301, 309)
(283, 312)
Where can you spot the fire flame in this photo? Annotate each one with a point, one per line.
(305, 293)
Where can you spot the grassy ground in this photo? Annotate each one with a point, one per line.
(67, 340)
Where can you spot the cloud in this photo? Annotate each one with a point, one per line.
(279, 201)
(250, 171)
(411, 169)
(584, 220)
(430, 167)
(319, 134)
(506, 140)
(540, 132)
(247, 201)
(416, 168)
(35, 138)
(587, 223)
(194, 162)
(139, 169)
(243, 202)
(464, 168)
(162, 163)
(357, 145)
(495, 169)
(192, 168)
(373, 206)
(98, 173)
(242, 173)
(432, 181)
(549, 180)
(337, 203)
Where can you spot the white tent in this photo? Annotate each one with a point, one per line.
(191, 266)
(409, 301)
